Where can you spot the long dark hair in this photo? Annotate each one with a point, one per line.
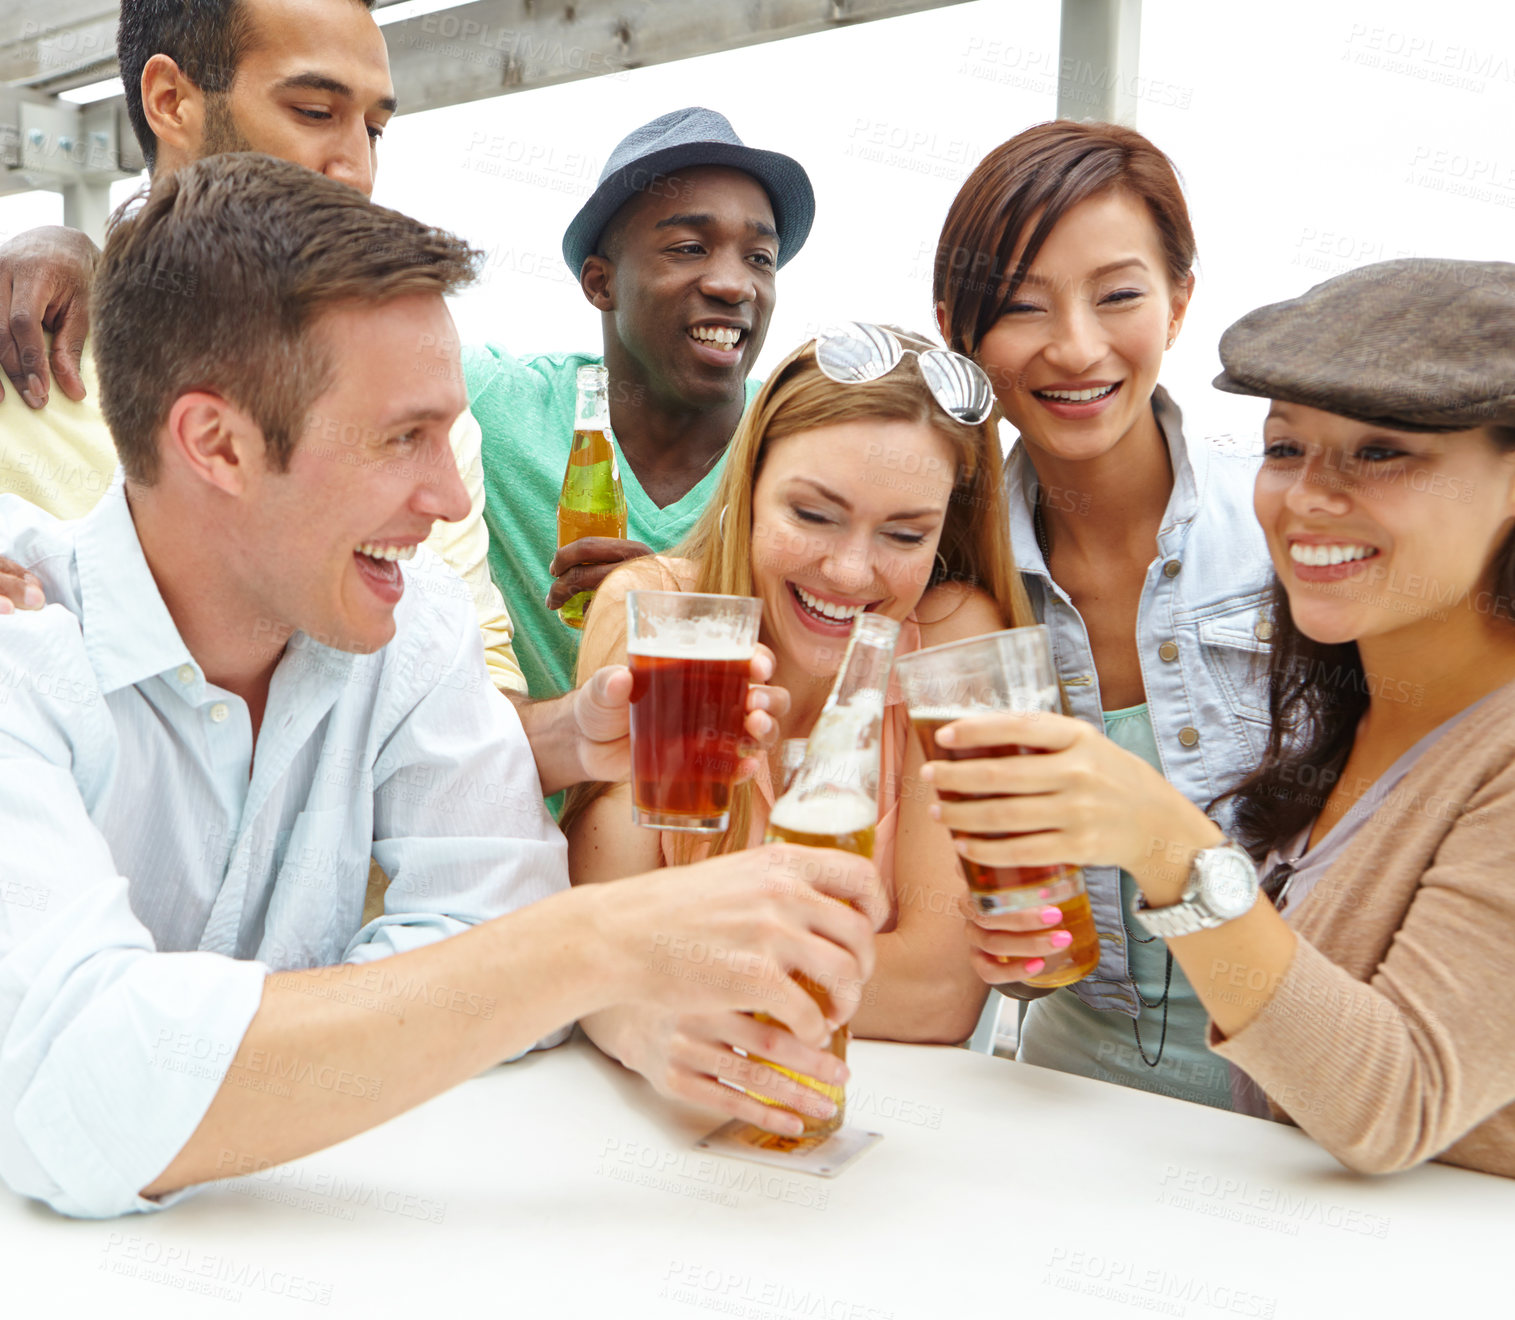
(1317, 693)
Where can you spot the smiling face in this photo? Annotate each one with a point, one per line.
(845, 518)
(313, 87)
(1374, 531)
(372, 470)
(690, 287)
(1075, 356)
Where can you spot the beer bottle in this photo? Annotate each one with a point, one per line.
(592, 502)
(832, 799)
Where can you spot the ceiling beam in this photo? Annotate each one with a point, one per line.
(464, 53)
(473, 50)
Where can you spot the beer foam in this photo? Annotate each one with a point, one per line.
(688, 648)
(833, 790)
(827, 812)
(1022, 701)
(841, 732)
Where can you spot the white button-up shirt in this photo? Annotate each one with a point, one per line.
(153, 870)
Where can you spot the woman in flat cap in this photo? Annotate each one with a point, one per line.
(1065, 268)
(1362, 990)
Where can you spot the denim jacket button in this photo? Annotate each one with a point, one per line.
(1171, 568)
(1263, 629)
(1168, 651)
(1188, 735)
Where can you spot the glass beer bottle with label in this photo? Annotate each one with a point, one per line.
(592, 502)
(832, 800)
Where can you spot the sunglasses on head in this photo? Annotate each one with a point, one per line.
(853, 352)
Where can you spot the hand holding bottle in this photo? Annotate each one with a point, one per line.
(583, 564)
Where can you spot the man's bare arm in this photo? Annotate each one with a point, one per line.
(381, 1048)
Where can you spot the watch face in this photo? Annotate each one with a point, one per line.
(1229, 882)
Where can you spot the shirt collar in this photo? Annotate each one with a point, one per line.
(1189, 469)
(1189, 466)
(129, 634)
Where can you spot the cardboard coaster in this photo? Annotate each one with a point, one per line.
(825, 1157)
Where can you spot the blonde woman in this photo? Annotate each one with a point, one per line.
(838, 496)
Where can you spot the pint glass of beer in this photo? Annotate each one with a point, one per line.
(1004, 671)
(689, 655)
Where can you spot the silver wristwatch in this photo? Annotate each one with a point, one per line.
(1222, 886)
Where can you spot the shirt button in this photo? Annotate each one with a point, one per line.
(1171, 568)
(1263, 629)
(218, 712)
(186, 673)
(1168, 651)
(1188, 735)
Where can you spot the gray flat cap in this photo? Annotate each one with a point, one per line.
(1416, 344)
(683, 139)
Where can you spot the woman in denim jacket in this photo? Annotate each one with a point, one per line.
(1065, 269)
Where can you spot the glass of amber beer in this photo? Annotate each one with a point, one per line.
(1003, 671)
(689, 655)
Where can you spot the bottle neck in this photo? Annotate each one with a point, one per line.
(865, 666)
(843, 751)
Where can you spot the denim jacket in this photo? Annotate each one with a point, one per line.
(1202, 632)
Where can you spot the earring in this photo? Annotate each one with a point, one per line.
(944, 570)
(720, 523)
(1171, 338)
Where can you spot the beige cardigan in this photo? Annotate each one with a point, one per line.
(1391, 1038)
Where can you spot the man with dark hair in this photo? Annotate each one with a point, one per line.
(308, 82)
(248, 678)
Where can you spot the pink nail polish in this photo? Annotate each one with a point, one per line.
(1051, 916)
(1035, 965)
(1061, 939)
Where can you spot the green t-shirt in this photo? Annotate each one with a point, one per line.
(524, 407)
(1061, 1031)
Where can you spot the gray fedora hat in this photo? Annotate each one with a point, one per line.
(679, 140)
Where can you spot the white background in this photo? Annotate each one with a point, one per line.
(1312, 136)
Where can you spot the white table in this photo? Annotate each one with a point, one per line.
(561, 1187)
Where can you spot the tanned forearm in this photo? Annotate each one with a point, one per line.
(917, 996)
(1235, 968)
(334, 1051)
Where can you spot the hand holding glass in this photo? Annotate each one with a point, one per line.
(690, 656)
(1005, 671)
